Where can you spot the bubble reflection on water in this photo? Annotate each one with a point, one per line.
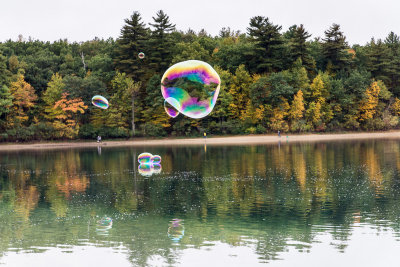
(250, 205)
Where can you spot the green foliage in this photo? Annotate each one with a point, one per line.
(335, 50)
(297, 45)
(54, 90)
(185, 51)
(5, 101)
(269, 81)
(149, 129)
(132, 41)
(269, 45)
(160, 43)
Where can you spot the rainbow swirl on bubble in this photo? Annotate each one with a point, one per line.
(100, 102)
(191, 88)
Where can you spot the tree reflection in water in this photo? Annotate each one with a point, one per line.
(270, 198)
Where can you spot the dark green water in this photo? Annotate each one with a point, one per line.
(322, 204)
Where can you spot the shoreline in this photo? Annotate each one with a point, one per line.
(232, 140)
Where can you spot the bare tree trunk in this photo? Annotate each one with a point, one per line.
(83, 61)
(133, 115)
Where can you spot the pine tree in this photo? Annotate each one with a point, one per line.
(160, 43)
(269, 44)
(393, 42)
(379, 61)
(5, 94)
(297, 37)
(131, 42)
(4, 73)
(335, 49)
(5, 102)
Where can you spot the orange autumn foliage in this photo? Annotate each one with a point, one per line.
(65, 111)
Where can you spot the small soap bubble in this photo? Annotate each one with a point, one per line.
(155, 159)
(145, 158)
(145, 170)
(104, 224)
(176, 230)
(100, 102)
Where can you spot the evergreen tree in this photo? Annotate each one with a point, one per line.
(131, 42)
(5, 103)
(335, 50)
(379, 60)
(297, 37)
(269, 45)
(4, 73)
(393, 42)
(161, 43)
(5, 95)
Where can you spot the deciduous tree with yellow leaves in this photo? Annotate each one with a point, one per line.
(24, 98)
(367, 106)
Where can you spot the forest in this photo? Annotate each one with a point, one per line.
(270, 80)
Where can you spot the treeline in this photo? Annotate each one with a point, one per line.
(271, 80)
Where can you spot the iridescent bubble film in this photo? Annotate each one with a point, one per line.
(157, 168)
(100, 102)
(141, 55)
(145, 158)
(104, 224)
(148, 169)
(191, 88)
(156, 159)
(176, 230)
(145, 169)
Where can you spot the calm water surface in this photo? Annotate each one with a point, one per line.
(322, 204)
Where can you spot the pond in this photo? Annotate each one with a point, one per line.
(300, 204)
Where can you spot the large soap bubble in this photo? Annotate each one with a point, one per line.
(191, 88)
(100, 101)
